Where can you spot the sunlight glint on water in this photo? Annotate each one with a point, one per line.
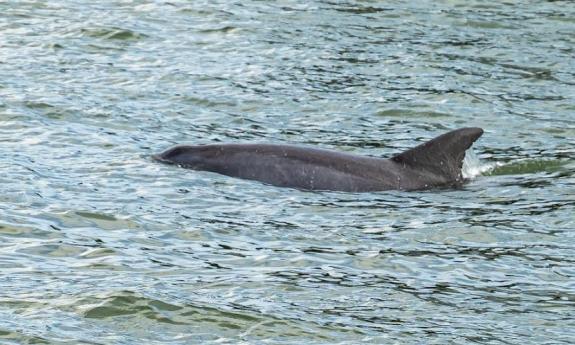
(101, 245)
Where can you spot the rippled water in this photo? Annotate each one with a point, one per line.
(101, 245)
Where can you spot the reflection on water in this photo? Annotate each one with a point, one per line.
(99, 244)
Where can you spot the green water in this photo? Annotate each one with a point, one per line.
(101, 245)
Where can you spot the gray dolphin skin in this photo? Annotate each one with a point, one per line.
(436, 163)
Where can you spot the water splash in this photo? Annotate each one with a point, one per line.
(473, 167)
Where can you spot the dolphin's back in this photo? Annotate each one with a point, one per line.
(286, 166)
(435, 163)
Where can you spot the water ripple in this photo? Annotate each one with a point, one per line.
(99, 244)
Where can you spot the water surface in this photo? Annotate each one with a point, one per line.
(101, 245)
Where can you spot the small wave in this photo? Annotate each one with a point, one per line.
(473, 167)
(529, 166)
(113, 33)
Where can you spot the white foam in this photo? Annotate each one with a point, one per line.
(472, 166)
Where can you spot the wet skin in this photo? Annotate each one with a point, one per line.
(436, 163)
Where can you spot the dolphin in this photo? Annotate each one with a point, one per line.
(435, 163)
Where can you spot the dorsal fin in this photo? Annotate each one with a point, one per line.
(442, 155)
